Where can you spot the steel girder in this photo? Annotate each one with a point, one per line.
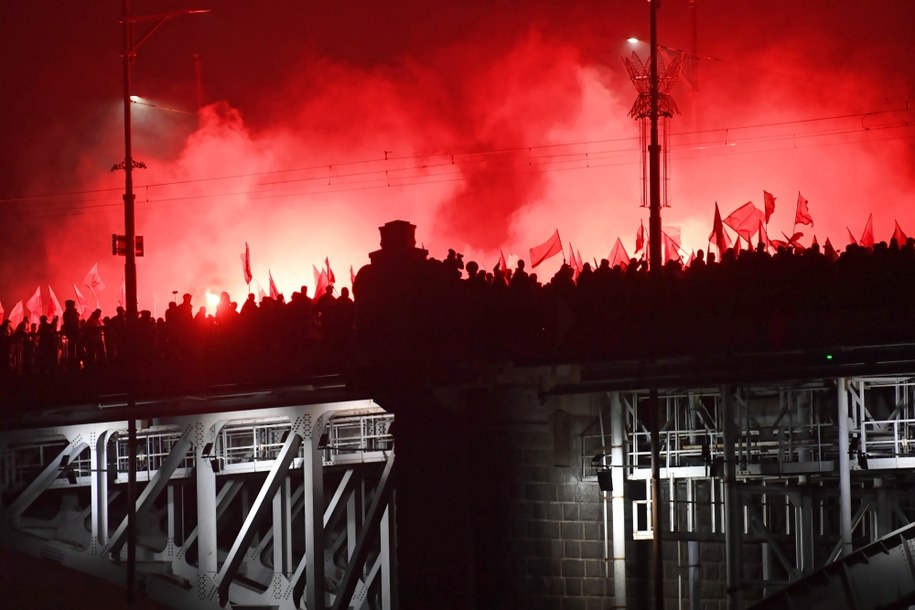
(232, 509)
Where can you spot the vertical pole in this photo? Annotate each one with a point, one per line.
(282, 529)
(207, 565)
(605, 497)
(694, 45)
(657, 556)
(313, 470)
(731, 504)
(844, 469)
(655, 263)
(130, 259)
(765, 551)
(99, 490)
(692, 558)
(884, 510)
(130, 290)
(172, 508)
(618, 501)
(388, 600)
(131, 507)
(654, 150)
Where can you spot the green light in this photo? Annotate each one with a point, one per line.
(829, 356)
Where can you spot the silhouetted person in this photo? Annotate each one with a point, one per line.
(47, 345)
(339, 319)
(6, 344)
(519, 278)
(70, 331)
(95, 345)
(323, 307)
(114, 333)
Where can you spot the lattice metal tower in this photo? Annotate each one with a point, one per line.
(669, 65)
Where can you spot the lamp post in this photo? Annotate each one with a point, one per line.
(654, 148)
(654, 236)
(130, 269)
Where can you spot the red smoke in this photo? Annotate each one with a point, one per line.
(487, 128)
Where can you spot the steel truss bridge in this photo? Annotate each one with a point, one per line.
(818, 473)
(274, 499)
(278, 507)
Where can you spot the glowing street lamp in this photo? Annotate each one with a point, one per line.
(130, 251)
(140, 101)
(129, 164)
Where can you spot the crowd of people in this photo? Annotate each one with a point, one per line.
(436, 315)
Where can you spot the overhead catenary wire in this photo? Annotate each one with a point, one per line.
(418, 170)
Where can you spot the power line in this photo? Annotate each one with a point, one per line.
(451, 167)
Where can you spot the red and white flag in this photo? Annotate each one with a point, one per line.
(34, 306)
(718, 237)
(261, 295)
(16, 315)
(618, 255)
(763, 237)
(851, 238)
(867, 238)
(640, 238)
(246, 264)
(54, 309)
(330, 274)
(671, 241)
(794, 241)
(768, 204)
(81, 304)
(93, 280)
(745, 220)
(274, 293)
(321, 282)
(575, 263)
(503, 266)
(829, 251)
(547, 249)
(802, 215)
(898, 235)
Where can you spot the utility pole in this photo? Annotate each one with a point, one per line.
(654, 148)
(653, 103)
(130, 250)
(130, 295)
(655, 266)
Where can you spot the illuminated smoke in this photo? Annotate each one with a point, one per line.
(488, 136)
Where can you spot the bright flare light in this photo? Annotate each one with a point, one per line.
(632, 40)
(212, 301)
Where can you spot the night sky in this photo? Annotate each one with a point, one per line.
(486, 124)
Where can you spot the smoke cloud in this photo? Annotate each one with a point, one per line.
(487, 128)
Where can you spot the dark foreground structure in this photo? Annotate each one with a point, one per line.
(521, 417)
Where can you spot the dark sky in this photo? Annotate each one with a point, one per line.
(487, 124)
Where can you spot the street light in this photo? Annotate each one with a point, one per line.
(139, 101)
(129, 163)
(130, 266)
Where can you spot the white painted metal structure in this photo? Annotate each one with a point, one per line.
(281, 507)
(814, 463)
